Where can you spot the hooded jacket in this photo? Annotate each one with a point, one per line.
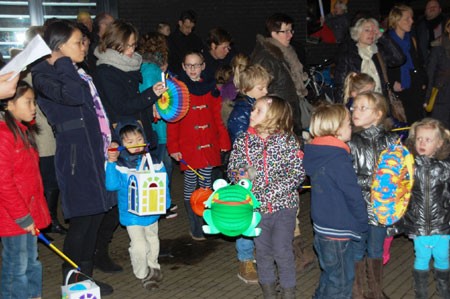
(429, 208)
(338, 209)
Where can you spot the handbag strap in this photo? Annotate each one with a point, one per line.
(383, 68)
(147, 159)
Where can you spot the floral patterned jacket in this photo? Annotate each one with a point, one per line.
(277, 160)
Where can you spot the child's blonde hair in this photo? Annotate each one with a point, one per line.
(355, 82)
(246, 76)
(379, 103)
(327, 119)
(278, 116)
(440, 130)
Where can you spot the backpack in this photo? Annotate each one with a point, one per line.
(392, 183)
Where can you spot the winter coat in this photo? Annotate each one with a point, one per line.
(22, 200)
(348, 60)
(429, 208)
(422, 33)
(79, 160)
(119, 91)
(337, 206)
(277, 160)
(239, 119)
(179, 45)
(366, 147)
(200, 135)
(282, 84)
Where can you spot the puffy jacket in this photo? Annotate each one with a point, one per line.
(366, 147)
(239, 119)
(348, 60)
(21, 192)
(429, 208)
(278, 164)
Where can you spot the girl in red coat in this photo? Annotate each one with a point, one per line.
(200, 136)
(22, 204)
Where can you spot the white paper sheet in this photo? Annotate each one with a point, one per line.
(35, 49)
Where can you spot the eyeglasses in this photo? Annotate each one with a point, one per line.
(291, 31)
(425, 140)
(193, 66)
(132, 46)
(362, 108)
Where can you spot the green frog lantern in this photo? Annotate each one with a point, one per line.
(230, 210)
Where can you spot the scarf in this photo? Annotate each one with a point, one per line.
(330, 141)
(99, 110)
(405, 45)
(201, 87)
(367, 64)
(118, 60)
(295, 66)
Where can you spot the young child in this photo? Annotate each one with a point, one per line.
(356, 83)
(252, 82)
(23, 208)
(199, 137)
(369, 139)
(338, 211)
(271, 150)
(142, 230)
(427, 220)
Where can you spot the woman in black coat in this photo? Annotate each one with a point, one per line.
(65, 95)
(359, 54)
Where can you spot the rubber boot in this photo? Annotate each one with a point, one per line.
(441, 277)
(305, 258)
(269, 291)
(375, 279)
(52, 197)
(87, 268)
(360, 279)
(195, 222)
(288, 293)
(421, 284)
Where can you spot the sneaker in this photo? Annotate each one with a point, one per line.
(151, 280)
(247, 272)
(173, 207)
(195, 238)
(170, 214)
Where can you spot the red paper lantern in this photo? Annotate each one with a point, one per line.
(198, 199)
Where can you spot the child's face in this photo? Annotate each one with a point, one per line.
(345, 131)
(259, 113)
(259, 90)
(193, 65)
(365, 114)
(24, 108)
(133, 139)
(427, 141)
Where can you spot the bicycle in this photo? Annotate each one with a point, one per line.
(319, 87)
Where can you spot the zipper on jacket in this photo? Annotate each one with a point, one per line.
(427, 201)
(73, 158)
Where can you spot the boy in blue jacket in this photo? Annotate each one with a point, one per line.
(338, 210)
(143, 230)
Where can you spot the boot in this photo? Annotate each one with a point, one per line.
(420, 284)
(305, 258)
(52, 197)
(87, 268)
(441, 277)
(195, 223)
(247, 272)
(375, 279)
(269, 291)
(288, 293)
(360, 278)
(104, 263)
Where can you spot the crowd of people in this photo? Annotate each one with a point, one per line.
(61, 134)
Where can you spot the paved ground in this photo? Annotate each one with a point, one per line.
(208, 269)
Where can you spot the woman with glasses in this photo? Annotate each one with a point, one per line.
(365, 52)
(117, 79)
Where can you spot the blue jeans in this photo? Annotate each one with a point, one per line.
(244, 248)
(371, 242)
(338, 268)
(435, 246)
(274, 246)
(21, 269)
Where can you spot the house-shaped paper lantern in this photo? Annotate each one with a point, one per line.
(147, 190)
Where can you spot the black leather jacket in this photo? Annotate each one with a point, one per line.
(429, 209)
(366, 147)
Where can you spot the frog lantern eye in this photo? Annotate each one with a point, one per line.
(220, 183)
(245, 183)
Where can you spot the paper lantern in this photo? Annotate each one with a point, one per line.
(198, 199)
(174, 102)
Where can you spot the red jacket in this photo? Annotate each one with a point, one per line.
(21, 190)
(200, 135)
